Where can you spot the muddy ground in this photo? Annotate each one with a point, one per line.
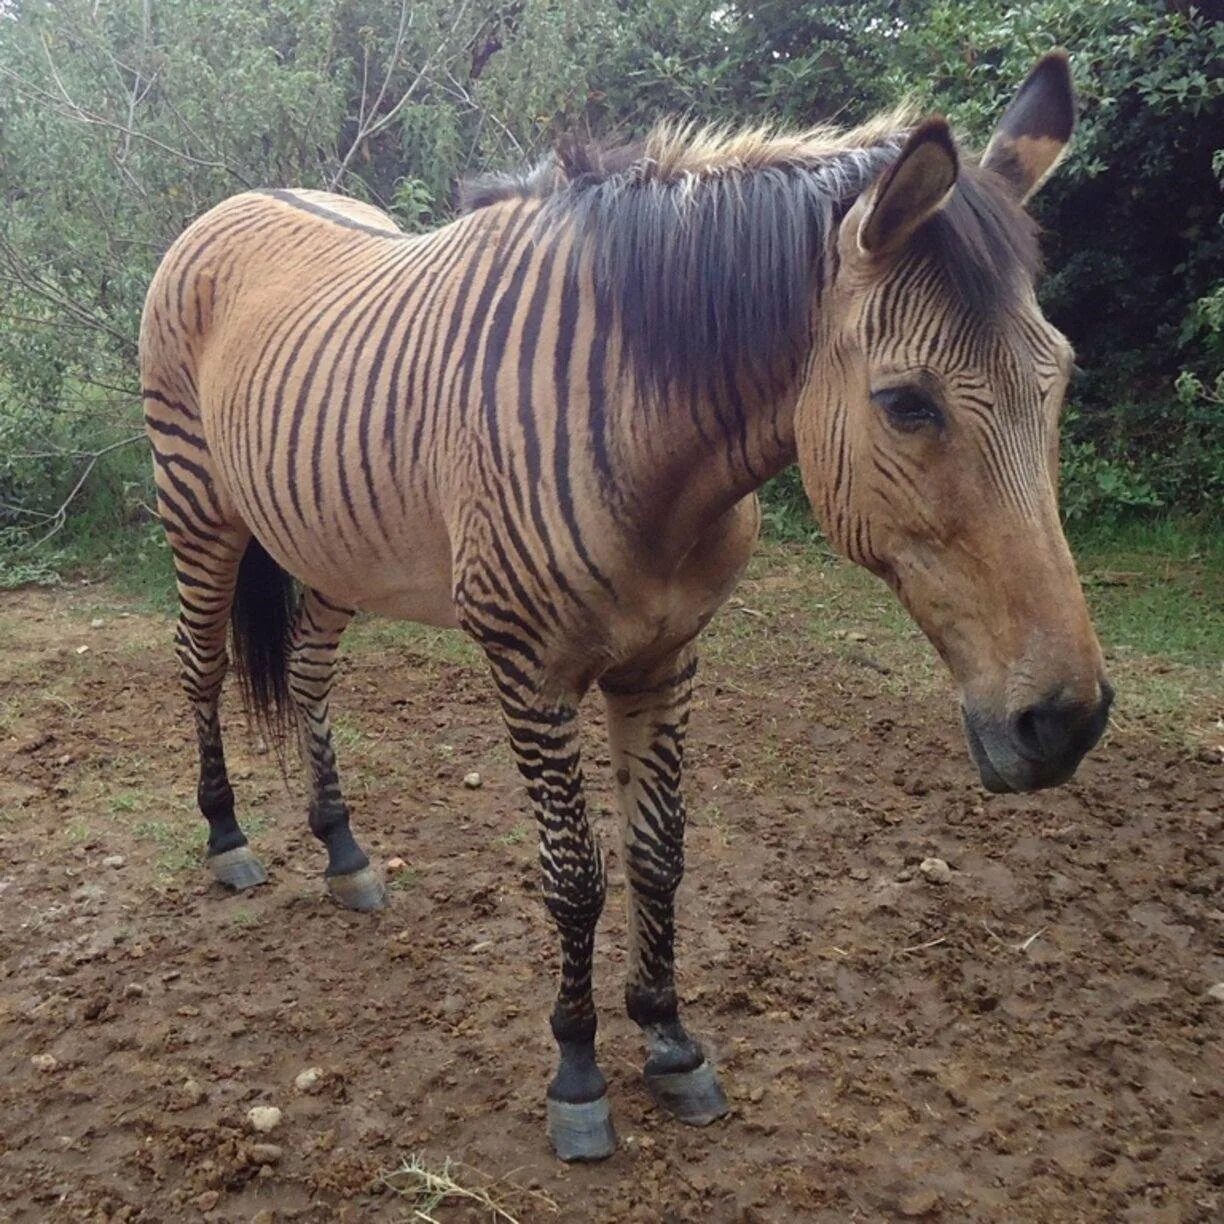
(1031, 1040)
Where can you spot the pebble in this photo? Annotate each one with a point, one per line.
(82, 650)
(191, 1093)
(918, 1203)
(395, 866)
(308, 1080)
(264, 1118)
(1216, 992)
(473, 780)
(935, 870)
(44, 1062)
(113, 860)
(208, 1200)
(97, 623)
(265, 1153)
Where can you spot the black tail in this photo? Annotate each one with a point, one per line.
(261, 622)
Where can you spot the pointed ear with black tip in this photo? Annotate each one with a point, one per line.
(910, 191)
(1036, 128)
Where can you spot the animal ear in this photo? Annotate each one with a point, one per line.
(1036, 128)
(911, 190)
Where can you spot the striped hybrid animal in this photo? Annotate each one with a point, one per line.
(545, 423)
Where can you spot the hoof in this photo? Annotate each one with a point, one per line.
(581, 1131)
(359, 890)
(237, 868)
(692, 1096)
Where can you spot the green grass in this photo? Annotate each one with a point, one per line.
(518, 835)
(1157, 589)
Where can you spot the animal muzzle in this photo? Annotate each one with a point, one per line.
(1038, 746)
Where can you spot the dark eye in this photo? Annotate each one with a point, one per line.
(907, 408)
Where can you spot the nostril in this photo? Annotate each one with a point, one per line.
(1026, 731)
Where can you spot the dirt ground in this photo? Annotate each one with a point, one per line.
(1031, 1040)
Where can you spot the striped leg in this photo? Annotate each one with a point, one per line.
(647, 718)
(207, 570)
(312, 669)
(544, 737)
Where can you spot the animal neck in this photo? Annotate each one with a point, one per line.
(709, 290)
(686, 460)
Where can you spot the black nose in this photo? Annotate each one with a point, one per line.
(1056, 732)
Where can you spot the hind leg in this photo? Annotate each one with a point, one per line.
(206, 567)
(312, 668)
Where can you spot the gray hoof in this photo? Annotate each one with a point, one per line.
(358, 890)
(692, 1096)
(581, 1131)
(237, 868)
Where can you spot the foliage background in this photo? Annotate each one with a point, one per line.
(121, 121)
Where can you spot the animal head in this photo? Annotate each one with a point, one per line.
(927, 431)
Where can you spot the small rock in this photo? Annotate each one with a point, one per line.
(918, 1203)
(208, 1200)
(191, 1093)
(265, 1153)
(308, 1080)
(264, 1118)
(82, 650)
(133, 990)
(113, 860)
(44, 1062)
(1216, 992)
(859, 873)
(473, 780)
(97, 623)
(757, 1095)
(395, 866)
(266, 1216)
(855, 636)
(66, 759)
(935, 870)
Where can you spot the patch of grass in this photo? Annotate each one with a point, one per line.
(1157, 588)
(76, 831)
(518, 835)
(344, 734)
(712, 817)
(127, 801)
(179, 842)
(404, 879)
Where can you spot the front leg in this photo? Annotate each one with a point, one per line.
(647, 718)
(544, 736)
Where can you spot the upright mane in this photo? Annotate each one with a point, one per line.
(709, 244)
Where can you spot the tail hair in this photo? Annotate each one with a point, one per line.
(261, 623)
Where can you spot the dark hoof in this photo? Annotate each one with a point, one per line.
(583, 1131)
(237, 868)
(692, 1096)
(359, 890)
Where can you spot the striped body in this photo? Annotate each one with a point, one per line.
(438, 405)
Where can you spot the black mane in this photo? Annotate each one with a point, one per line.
(711, 256)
